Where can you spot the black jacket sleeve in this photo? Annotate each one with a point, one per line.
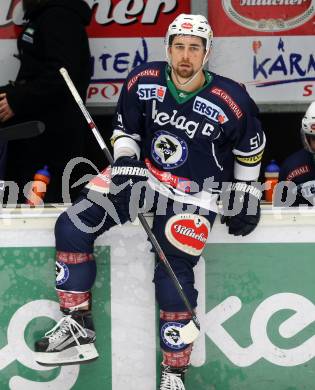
(61, 39)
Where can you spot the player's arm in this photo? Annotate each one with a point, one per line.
(61, 48)
(127, 169)
(241, 203)
(128, 122)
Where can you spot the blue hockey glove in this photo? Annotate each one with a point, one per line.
(125, 174)
(241, 208)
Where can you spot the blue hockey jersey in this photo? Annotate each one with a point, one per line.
(212, 135)
(299, 168)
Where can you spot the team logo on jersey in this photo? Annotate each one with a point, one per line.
(210, 110)
(188, 232)
(62, 273)
(170, 335)
(169, 150)
(151, 91)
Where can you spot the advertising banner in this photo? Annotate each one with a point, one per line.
(266, 45)
(123, 34)
(256, 306)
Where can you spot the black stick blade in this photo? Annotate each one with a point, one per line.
(22, 130)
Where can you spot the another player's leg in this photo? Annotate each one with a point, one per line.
(182, 237)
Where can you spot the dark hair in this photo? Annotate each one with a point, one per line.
(171, 39)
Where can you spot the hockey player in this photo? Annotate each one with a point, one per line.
(179, 133)
(299, 168)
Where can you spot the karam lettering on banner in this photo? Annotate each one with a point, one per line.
(278, 65)
(111, 18)
(261, 17)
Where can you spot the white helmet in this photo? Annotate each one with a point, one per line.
(186, 24)
(308, 126)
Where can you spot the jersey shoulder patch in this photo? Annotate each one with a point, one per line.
(145, 73)
(234, 95)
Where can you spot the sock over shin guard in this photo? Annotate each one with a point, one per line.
(175, 352)
(75, 276)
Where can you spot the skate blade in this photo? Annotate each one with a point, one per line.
(76, 355)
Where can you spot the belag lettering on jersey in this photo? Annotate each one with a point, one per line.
(178, 121)
(151, 91)
(210, 110)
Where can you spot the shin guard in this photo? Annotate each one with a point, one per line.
(75, 275)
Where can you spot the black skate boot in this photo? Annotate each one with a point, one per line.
(172, 378)
(70, 341)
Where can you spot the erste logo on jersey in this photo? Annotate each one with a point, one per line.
(188, 232)
(170, 335)
(210, 110)
(169, 150)
(151, 91)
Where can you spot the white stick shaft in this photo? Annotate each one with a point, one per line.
(64, 73)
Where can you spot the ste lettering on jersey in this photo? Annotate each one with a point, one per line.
(215, 133)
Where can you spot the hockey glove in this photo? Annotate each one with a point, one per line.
(125, 174)
(241, 208)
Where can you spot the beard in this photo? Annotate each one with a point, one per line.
(184, 72)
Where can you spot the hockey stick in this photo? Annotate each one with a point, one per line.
(21, 131)
(189, 332)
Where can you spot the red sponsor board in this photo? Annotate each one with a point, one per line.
(261, 17)
(10, 14)
(111, 18)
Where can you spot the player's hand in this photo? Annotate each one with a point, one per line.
(6, 112)
(126, 173)
(245, 200)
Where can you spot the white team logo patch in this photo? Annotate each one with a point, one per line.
(151, 91)
(210, 110)
(169, 150)
(188, 232)
(62, 273)
(170, 335)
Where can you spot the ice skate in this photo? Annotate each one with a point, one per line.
(70, 341)
(172, 378)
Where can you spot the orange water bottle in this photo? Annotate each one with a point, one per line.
(271, 179)
(39, 187)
